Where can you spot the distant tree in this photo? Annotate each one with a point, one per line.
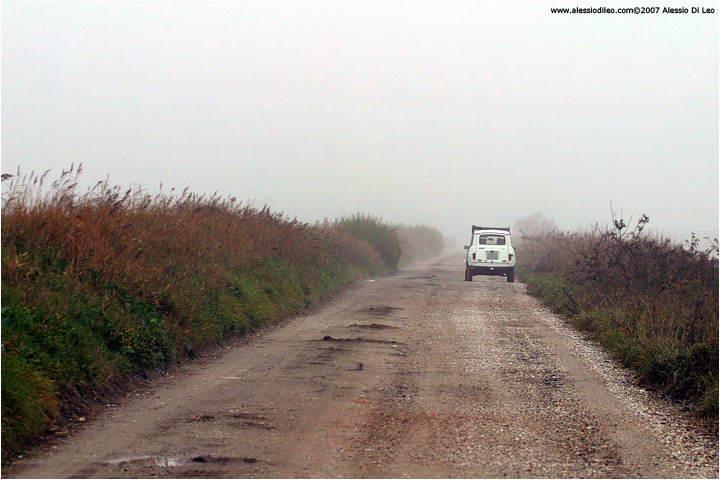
(535, 224)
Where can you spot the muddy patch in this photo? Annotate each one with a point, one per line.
(380, 310)
(246, 416)
(233, 418)
(203, 418)
(328, 338)
(249, 420)
(325, 355)
(374, 326)
(251, 424)
(225, 460)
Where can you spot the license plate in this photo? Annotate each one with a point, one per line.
(491, 255)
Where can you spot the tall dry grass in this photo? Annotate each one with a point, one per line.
(653, 303)
(102, 285)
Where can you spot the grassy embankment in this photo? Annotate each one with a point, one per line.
(101, 287)
(653, 304)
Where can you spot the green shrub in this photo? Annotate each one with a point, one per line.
(29, 401)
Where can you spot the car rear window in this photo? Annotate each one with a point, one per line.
(491, 240)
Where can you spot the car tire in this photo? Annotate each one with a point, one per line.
(511, 275)
(468, 275)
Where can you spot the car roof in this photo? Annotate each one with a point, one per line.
(494, 232)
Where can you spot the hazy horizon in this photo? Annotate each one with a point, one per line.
(439, 113)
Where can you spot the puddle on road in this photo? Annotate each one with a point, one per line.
(179, 461)
(152, 461)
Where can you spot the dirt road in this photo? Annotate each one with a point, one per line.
(417, 375)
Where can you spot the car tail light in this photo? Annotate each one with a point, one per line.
(510, 257)
(473, 255)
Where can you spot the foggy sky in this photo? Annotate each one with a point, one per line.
(443, 113)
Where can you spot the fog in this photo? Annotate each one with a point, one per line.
(443, 113)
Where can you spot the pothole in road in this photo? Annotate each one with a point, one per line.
(151, 461)
(179, 461)
(203, 418)
(328, 338)
(380, 310)
(373, 326)
(223, 460)
(206, 417)
(246, 416)
(251, 424)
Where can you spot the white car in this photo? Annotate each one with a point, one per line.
(490, 253)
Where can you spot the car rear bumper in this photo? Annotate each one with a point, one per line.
(490, 270)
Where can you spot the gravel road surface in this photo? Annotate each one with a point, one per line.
(418, 375)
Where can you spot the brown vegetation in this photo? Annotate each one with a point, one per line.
(652, 303)
(117, 282)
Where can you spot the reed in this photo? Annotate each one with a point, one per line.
(106, 284)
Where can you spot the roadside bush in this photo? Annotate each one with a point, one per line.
(652, 303)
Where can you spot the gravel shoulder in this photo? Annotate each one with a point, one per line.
(415, 375)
